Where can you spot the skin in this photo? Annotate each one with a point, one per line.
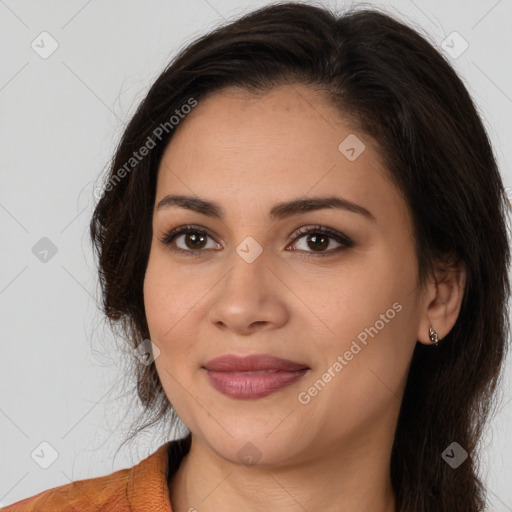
(247, 153)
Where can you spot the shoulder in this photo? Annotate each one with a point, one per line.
(79, 495)
(120, 491)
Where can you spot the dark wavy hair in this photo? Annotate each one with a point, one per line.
(388, 79)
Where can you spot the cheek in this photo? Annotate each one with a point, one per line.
(155, 299)
(166, 313)
(372, 327)
(168, 296)
(173, 302)
(363, 375)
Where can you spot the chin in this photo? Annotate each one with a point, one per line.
(249, 449)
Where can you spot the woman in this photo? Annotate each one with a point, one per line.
(303, 236)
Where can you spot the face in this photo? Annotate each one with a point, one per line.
(340, 300)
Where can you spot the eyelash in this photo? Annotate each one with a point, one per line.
(345, 242)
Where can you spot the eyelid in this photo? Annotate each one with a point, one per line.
(344, 241)
(333, 233)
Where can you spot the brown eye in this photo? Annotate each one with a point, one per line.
(192, 240)
(318, 239)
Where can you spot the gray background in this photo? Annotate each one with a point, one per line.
(61, 119)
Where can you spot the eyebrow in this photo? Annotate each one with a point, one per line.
(278, 212)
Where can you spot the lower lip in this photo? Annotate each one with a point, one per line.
(247, 386)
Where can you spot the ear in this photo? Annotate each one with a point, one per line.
(442, 302)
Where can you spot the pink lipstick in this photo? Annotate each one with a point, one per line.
(253, 376)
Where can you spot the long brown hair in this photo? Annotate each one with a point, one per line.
(399, 89)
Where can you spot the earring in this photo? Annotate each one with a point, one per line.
(433, 336)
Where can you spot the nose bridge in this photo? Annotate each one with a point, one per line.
(247, 297)
(248, 264)
(251, 259)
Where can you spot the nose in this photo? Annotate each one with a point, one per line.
(250, 298)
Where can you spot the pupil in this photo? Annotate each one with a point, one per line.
(195, 238)
(321, 245)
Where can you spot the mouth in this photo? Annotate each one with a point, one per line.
(253, 385)
(254, 376)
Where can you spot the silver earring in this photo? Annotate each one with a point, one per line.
(433, 336)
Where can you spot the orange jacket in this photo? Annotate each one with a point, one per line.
(141, 488)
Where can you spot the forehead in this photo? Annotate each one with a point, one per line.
(292, 127)
(238, 148)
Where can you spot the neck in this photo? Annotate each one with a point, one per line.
(354, 478)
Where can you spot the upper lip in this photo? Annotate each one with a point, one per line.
(253, 362)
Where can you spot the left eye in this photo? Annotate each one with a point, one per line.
(319, 236)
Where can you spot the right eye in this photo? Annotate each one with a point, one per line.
(193, 243)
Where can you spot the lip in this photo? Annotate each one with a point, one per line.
(254, 376)
(252, 363)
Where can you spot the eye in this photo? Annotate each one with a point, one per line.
(318, 237)
(194, 239)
